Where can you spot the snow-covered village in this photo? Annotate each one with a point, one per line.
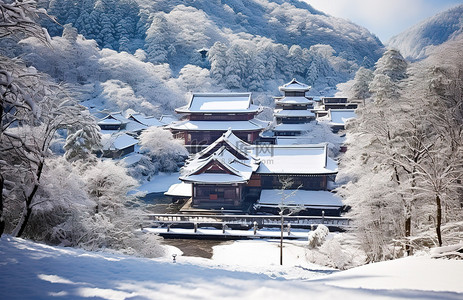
(239, 149)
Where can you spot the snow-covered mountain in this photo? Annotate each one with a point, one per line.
(251, 43)
(416, 42)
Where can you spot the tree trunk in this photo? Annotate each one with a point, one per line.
(439, 220)
(408, 230)
(19, 230)
(2, 220)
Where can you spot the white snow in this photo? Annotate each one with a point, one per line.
(109, 121)
(216, 178)
(217, 125)
(147, 121)
(241, 270)
(294, 100)
(295, 234)
(159, 183)
(295, 159)
(133, 126)
(292, 127)
(294, 113)
(117, 141)
(220, 102)
(340, 116)
(294, 85)
(315, 199)
(411, 273)
(181, 189)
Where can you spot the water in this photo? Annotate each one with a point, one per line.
(196, 248)
(158, 203)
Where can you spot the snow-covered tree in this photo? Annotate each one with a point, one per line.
(390, 69)
(17, 99)
(360, 89)
(407, 149)
(218, 60)
(165, 153)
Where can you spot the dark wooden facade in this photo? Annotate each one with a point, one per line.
(218, 195)
(201, 138)
(220, 117)
(304, 182)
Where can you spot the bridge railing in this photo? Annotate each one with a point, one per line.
(246, 220)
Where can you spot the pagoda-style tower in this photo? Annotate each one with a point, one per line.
(293, 111)
(208, 116)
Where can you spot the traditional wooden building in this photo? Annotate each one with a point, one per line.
(308, 167)
(328, 103)
(219, 174)
(230, 171)
(293, 111)
(117, 145)
(337, 118)
(114, 121)
(208, 116)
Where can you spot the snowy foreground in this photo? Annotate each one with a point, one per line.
(244, 269)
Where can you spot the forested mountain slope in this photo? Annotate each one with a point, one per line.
(253, 44)
(416, 42)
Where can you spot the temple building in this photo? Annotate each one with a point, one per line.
(337, 118)
(208, 116)
(233, 174)
(293, 111)
(338, 103)
(220, 173)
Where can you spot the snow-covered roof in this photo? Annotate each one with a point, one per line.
(133, 126)
(235, 170)
(231, 142)
(307, 199)
(295, 86)
(292, 127)
(220, 103)
(340, 116)
(333, 100)
(294, 159)
(250, 125)
(117, 141)
(132, 159)
(167, 119)
(291, 140)
(147, 121)
(293, 100)
(294, 113)
(109, 121)
(115, 118)
(181, 189)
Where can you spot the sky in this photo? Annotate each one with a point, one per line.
(384, 18)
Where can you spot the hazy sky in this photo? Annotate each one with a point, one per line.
(384, 18)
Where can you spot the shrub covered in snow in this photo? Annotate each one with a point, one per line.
(317, 237)
(164, 152)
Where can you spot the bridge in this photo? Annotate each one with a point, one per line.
(238, 226)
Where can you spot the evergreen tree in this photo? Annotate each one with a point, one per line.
(360, 88)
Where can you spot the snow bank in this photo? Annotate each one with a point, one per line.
(34, 271)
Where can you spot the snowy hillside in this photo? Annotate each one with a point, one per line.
(251, 45)
(35, 271)
(416, 42)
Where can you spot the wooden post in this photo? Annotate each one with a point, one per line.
(281, 238)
